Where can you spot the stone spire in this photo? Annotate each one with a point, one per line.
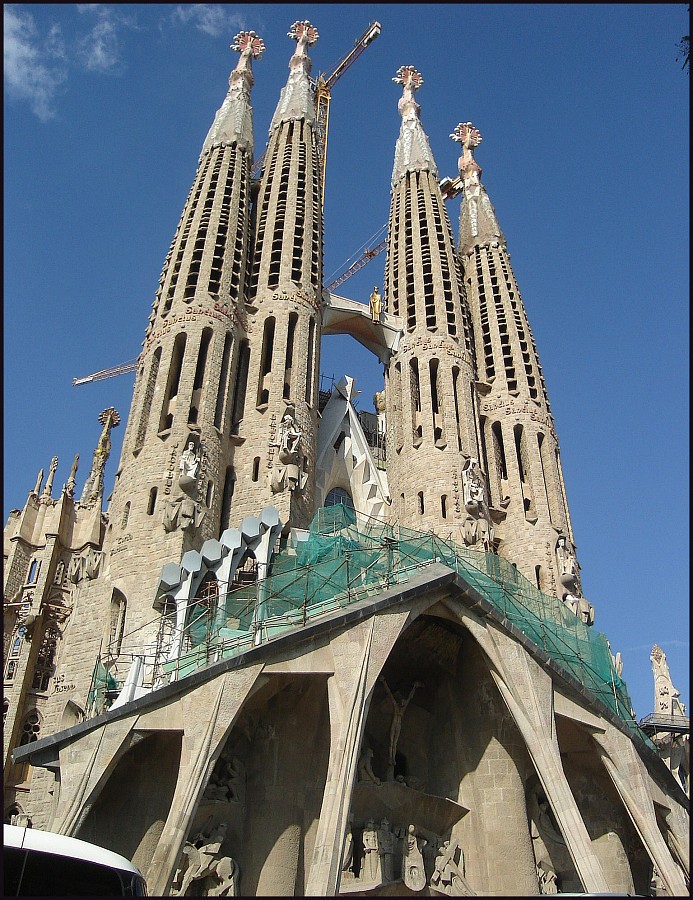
(478, 223)
(413, 151)
(93, 489)
(234, 118)
(297, 100)
(48, 489)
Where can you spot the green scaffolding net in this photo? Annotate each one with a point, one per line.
(341, 560)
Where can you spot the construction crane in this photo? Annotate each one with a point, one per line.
(323, 87)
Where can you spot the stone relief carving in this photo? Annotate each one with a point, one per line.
(546, 878)
(448, 875)
(227, 781)
(371, 859)
(582, 608)
(568, 568)
(183, 513)
(203, 861)
(85, 566)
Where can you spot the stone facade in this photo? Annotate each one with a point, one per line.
(404, 738)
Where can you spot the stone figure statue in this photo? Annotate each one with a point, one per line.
(666, 695)
(204, 860)
(448, 875)
(348, 854)
(365, 767)
(477, 526)
(582, 608)
(413, 871)
(546, 878)
(189, 463)
(398, 710)
(289, 473)
(376, 303)
(371, 860)
(567, 564)
(386, 841)
(71, 482)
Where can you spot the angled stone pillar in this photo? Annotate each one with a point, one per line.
(349, 691)
(221, 702)
(630, 778)
(528, 693)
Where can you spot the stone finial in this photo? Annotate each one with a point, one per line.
(39, 482)
(69, 489)
(411, 80)
(305, 35)
(251, 47)
(48, 489)
(469, 137)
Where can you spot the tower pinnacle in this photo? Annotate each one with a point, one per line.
(234, 118)
(413, 151)
(478, 223)
(297, 100)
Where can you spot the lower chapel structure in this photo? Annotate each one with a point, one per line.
(314, 651)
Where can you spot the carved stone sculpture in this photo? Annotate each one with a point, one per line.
(371, 859)
(547, 879)
(188, 467)
(289, 474)
(477, 526)
(204, 860)
(386, 841)
(365, 767)
(413, 871)
(448, 875)
(567, 565)
(398, 709)
(376, 304)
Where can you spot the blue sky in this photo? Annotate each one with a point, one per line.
(584, 113)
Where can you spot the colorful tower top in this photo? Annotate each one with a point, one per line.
(413, 151)
(297, 100)
(234, 118)
(478, 223)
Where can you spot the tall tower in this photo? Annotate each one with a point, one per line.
(519, 444)
(433, 463)
(275, 422)
(177, 442)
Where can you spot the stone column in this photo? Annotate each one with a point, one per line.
(628, 773)
(350, 691)
(528, 693)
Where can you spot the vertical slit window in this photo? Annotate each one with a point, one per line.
(199, 375)
(309, 364)
(415, 390)
(151, 503)
(456, 399)
(438, 420)
(227, 498)
(147, 400)
(223, 383)
(289, 359)
(238, 408)
(266, 362)
(169, 407)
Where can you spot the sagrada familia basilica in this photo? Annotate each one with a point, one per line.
(308, 650)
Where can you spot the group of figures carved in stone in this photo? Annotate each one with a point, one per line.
(205, 867)
(569, 577)
(381, 854)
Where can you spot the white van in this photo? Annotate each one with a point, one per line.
(41, 864)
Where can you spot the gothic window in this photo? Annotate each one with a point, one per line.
(45, 661)
(31, 728)
(117, 623)
(34, 570)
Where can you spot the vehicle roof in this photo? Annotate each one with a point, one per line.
(26, 838)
